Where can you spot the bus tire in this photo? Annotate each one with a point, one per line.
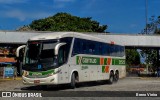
(111, 78)
(73, 81)
(116, 76)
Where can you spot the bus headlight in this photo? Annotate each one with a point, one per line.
(50, 74)
(55, 72)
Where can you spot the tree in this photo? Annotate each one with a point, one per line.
(153, 27)
(156, 24)
(132, 57)
(66, 22)
(25, 28)
(151, 54)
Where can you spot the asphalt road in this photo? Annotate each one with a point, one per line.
(125, 84)
(92, 89)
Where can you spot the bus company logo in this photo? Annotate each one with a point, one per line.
(6, 94)
(87, 60)
(79, 60)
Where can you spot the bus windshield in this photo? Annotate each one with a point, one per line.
(40, 55)
(33, 51)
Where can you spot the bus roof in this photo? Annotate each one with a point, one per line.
(58, 35)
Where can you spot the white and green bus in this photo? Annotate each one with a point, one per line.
(71, 57)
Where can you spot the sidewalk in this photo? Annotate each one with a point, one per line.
(7, 79)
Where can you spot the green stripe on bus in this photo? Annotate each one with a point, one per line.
(105, 61)
(82, 60)
(41, 73)
(103, 69)
(116, 61)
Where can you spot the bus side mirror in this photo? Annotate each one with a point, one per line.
(20, 52)
(57, 48)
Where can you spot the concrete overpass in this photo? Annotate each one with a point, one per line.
(150, 41)
(124, 39)
(11, 37)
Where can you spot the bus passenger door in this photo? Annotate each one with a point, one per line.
(93, 72)
(85, 73)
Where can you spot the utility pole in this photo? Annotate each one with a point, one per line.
(146, 14)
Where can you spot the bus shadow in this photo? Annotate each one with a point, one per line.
(45, 88)
(64, 86)
(92, 84)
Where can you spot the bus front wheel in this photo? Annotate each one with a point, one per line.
(73, 81)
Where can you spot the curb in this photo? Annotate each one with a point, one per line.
(8, 79)
(145, 78)
(149, 78)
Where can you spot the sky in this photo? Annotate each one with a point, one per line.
(121, 16)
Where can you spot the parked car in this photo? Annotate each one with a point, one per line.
(146, 73)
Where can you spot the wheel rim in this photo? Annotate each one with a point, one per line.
(116, 77)
(111, 78)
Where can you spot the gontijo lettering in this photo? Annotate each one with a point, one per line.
(89, 60)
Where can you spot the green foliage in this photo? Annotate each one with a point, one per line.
(151, 56)
(24, 28)
(132, 57)
(157, 31)
(157, 23)
(67, 22)
(153, 26)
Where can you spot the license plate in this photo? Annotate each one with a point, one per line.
(36, 81)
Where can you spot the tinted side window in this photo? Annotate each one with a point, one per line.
(98, 48)
(116, 50)
(77, 47)
(82, 46)
(68, 41)
(91, 47)
(122, 51)
(105, 49)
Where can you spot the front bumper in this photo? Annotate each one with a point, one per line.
(40, 81)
